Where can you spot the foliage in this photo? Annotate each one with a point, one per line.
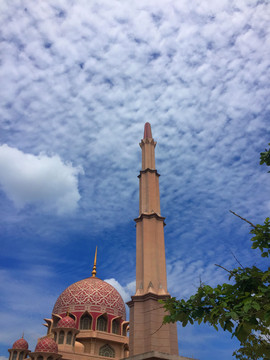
(241, 307)
(265, 157)
(252, 349)
(261, 239)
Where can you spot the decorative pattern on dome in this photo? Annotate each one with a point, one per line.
(67, 322)
(47, 345)
(91, 294)
(20, 344)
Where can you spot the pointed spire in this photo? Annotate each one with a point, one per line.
(94, 271)
(147, 131)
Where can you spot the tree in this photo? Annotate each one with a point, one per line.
(241, 307)
(265, 157)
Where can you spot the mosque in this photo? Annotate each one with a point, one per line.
(88, 320)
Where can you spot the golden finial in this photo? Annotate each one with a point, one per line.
(94, 271)
(22, 335)
(67, 312)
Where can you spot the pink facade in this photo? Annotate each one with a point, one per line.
(88, 322)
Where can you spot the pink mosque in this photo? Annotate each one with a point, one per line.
(89, 318)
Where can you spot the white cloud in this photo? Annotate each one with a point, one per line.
(40, 180)
(125, 291)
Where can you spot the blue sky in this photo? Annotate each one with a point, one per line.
(78, 81)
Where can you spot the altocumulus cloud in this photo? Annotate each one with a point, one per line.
(39, 180)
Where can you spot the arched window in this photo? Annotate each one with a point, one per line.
(21, 355)
(125, 329)
(55, 320)
(107, 350)
(50, 358)
(126, 352)
(72, 316)
(69, 337)
(61, 337)
(102, 323)
(86, 322)
(115, 326)
(40, 357)
(55, 336)
(14, 356)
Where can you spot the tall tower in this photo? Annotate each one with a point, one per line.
(147, 336)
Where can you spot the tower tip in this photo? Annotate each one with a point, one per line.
(147, 131)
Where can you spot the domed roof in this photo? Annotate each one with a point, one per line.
(91, 294)
(20, 344)
(47, 345)
(67, 322)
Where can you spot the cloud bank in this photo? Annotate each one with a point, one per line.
(39, 180)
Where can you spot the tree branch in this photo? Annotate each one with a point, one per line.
(237, 259)
(157, 308)
(250, 223)
(157, 329)
(229, 271)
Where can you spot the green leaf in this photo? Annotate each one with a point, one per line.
(256, 305)
(233, 315)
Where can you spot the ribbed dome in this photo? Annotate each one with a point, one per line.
(91, 294)
(20, 344)
(66, 322)
(47, 345)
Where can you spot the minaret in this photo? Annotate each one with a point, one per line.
(146, 314)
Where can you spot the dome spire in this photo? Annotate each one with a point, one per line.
(94, 271)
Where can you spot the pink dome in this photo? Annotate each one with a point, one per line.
(67, 322)
(91, 294)
(20, 344)
(47, 345)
